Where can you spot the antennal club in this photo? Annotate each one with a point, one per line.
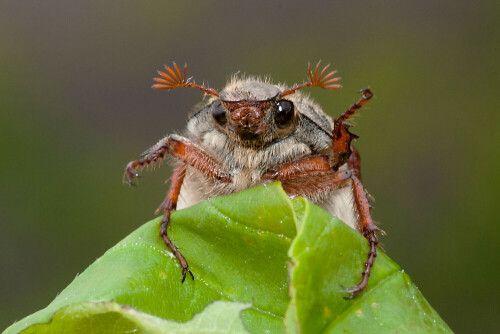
(173, 78)
(317, 80)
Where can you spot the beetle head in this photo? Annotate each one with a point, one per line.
(254, 112)
(247, 107)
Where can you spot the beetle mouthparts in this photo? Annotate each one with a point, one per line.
(247, 116)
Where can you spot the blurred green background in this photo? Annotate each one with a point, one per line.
(76, 107)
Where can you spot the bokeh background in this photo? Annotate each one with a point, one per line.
(76, 106)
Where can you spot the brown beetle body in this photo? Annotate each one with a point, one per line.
(253, 133)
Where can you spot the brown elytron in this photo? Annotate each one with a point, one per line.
(253, 132)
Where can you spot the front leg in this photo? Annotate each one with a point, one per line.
(168, 205)
(312, 175)
(307, 176)
(369, 229)
(307, 166)
(182, 149)
(188, 154)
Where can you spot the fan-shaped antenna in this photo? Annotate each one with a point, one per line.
(173, 78)
(324, 81)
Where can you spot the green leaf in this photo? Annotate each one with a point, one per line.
(328, 255)
(218, 317)
(286, 261)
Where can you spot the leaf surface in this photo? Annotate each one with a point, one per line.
(277, 265)
(327, 256)
(218, 317)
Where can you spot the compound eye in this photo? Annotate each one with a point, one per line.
(219, 113)
(283, 113)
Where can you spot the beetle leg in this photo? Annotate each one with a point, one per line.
(290, 170)
(182, 149)
(169, 205)
(311, 175)
(368, 225)
(308, 185)
(354, 163)
(188, 154)
(366, 95)
(369, 229)
(342, 138)
(307, 176)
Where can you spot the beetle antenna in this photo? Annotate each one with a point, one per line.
(173, 78)
(316, 80)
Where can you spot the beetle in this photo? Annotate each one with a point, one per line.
(254, 132)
